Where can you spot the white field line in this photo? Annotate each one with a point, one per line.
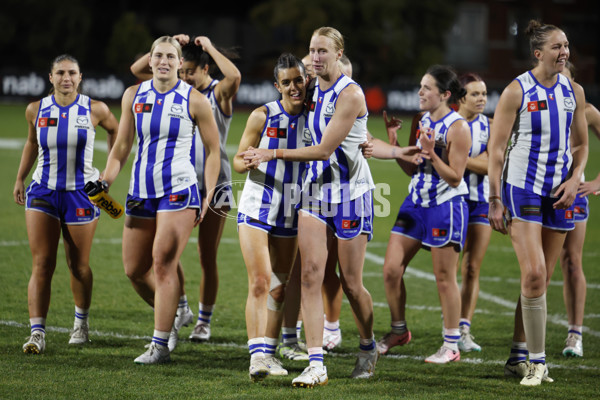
(477, 361)
(555, 319)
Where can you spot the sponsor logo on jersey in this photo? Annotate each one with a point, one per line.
(437, 232)
(159, 102)
(277, 133)
(46, 122)
(63, 115)
(551, 96)
(83, 212)
(539, 105)
(306, 137)
(569, 104)
(329, 110)
(350, 224)
(143, 107)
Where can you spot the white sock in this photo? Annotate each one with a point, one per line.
(256, 347)
(81, 316)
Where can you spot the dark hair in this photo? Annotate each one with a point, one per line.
(195, 54)
(571, 67)
(446, 80)
(61, 58)
(465, 79)
(538, 34)
(285, 61)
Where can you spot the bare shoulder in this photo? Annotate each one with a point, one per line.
(258, 116)
(32, 110)
(99, 107)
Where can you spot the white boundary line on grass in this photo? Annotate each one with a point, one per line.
(476, 361)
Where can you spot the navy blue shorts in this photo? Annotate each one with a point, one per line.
(435, 226)
(530, 207)
(347, 220)
(478, 212)
(147, 208)
(72, 207)
(278, 231)
(581, 209)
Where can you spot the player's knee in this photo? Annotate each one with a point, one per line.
(260, 284)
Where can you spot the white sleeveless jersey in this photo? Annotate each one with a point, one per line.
(165, 131)
(198, 154)
(346, 175)
(479, 185)
(539, 156)
(427, 188)
(65, 138)
(272, 191)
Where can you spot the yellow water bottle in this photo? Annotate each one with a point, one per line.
(96, 191)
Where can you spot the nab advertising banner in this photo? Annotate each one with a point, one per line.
(109, 88)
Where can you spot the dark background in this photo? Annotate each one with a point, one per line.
(390, 42)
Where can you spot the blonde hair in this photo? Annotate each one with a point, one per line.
(333, 34)
(169, 40)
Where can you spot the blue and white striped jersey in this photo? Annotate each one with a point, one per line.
(65, 138)
(272, 191)
(478, 185)
(346, 175)
(165, 131)
(426, 187)
(198, 154)
(539, 156)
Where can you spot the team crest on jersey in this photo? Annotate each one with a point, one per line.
(143, 108)
(45, 122)
(539, 105)
(277, 133)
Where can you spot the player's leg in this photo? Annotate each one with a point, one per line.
(400, 250)
(574, 288)
(78, 245)
(209, 237)
(43, 233)
(478, 238)
(283, 251)
(332, 302)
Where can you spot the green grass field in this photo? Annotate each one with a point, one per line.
(122, 324)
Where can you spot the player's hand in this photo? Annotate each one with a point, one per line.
(19, 193)
(496, 216)
(367, 149)
(203, 41)
(591, 187)
(426, 138)
(392, 125)
(182, 38)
